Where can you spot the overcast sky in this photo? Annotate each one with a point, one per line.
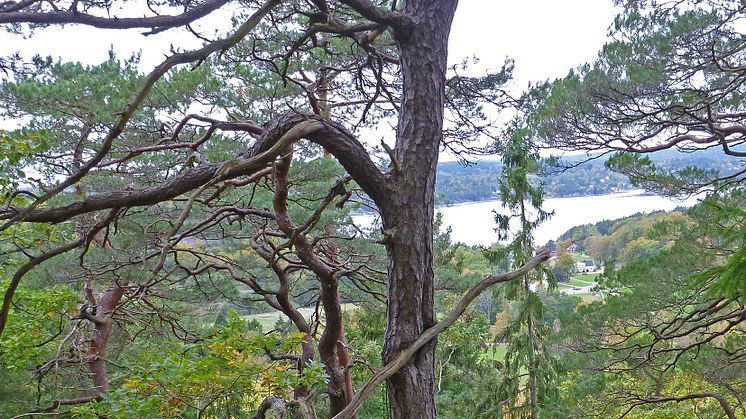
(545, 37)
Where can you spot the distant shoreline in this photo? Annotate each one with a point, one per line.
(621, 194)
(626, 192)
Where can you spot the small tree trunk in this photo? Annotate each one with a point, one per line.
(332, 351)
(102, 326)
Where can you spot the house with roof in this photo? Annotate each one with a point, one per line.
(584, 266)
(572, 248)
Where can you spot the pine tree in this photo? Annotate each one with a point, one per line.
(527, 335)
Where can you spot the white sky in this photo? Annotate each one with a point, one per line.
(546, 38)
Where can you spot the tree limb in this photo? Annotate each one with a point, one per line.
(57, 403)
(140, 96)
(157, 23)
(401, 23)
(284, 131)
(403, 358)
(719, 397)
(37, 260)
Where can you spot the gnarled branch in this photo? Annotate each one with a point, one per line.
(284, 131)
(403, 358)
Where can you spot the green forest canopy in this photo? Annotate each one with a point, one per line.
(147, 217)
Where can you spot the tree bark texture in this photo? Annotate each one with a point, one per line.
(408, 212)
(102, 325)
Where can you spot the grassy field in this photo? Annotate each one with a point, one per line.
(578, 256)
(577, 282)
(268, 320)
(582, 280)
(495, 352)
(589, 298)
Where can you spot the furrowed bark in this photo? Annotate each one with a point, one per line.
(408, 212)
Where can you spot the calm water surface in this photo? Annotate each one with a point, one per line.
(473, 223)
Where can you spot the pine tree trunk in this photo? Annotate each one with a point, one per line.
(408, 215)
(102, 327)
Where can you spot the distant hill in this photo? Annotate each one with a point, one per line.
(457, 183)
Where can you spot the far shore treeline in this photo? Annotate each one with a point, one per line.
(459, 182)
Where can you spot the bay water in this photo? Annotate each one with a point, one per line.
(473, 223)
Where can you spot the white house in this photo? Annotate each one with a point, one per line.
(583, 266)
